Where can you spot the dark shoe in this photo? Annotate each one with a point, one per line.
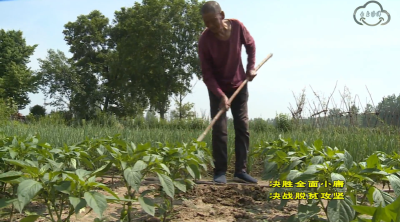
(244, 178)
(220, 178)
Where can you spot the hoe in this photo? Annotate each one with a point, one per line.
(201, 137)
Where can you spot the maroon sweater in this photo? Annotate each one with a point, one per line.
(221, 61)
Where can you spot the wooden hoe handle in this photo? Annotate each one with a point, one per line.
(201, 137)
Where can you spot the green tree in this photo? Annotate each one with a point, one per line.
(354, 109)
(59, 80)
(124, 97)
(16, 79)
(335, 112)
(38, 110)
(183, 110)
(6, 110)
(389, 110)
(103, 78)
(89, 45)
(158, 43)
(368, 117)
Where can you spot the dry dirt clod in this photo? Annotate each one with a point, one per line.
(246, 200)
(201, 214)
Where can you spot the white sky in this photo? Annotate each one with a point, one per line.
(314, 43)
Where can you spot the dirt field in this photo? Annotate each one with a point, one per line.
(213, 203)
(203, 203)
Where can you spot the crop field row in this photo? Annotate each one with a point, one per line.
(53, 172)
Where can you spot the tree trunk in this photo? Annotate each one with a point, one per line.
(106, 103)
(162, 114)
(180, 106)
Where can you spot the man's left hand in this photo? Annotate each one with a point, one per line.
(251, 74)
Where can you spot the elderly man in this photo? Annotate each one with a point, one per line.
(222, 69)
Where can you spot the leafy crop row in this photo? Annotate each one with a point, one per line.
(64, 178)
(287, 160)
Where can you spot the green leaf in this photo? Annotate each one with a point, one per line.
(393, 209)
(30, 218)
(373, 162)
(139, 165)
(64, 187)
(340, 156)
(293, 175)
(26, 191)
(318, 144)
(348, 160)
(144, 193)
(181, 185)
(281, 155)
(77, 203)
(96, 201)
(394, 183)
(44, 169)
(370, 195)
(15, 142)
(367, 210)
(133, 178)
(167, 184)
(166, 169)
(73, 163)
(313, 169)
(195, 170)
(341, 210)
(6, 202)
(120, 200)
(330, 153)
(23, 164)
(148, 205)
(189, 183)
(308, 211)
(10, 175)
(104, 187)
(373, 171)
(381, 198)
(270, 170)
(317, 159)
(352, 196)
(102, 170)
(56, 166)
(293, 218)
(13, 154)
(380, 215)
(82, 174)
(190, 171)
(293, 164)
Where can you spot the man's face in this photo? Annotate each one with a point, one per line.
(213, 21)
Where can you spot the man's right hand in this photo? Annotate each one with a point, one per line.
(224, 103)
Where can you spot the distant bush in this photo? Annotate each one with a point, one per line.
(6, 111)
(283, 122)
